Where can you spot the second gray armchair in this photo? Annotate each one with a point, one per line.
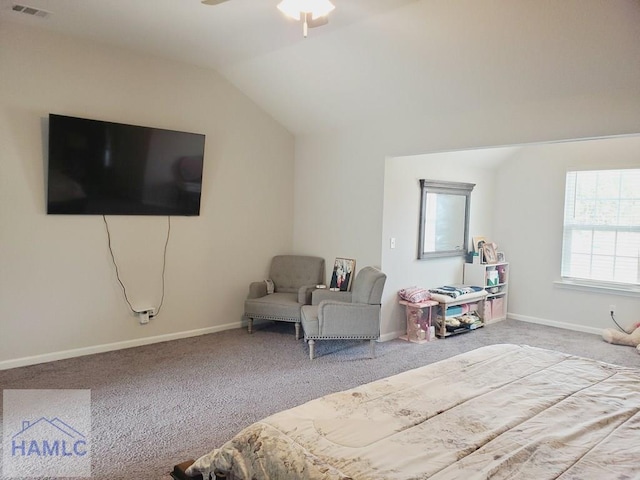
(293, 278)
(346, 315)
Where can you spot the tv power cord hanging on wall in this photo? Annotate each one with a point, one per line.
(143, 315)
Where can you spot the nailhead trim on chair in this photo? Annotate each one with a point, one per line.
(342, 337)
(279, 319)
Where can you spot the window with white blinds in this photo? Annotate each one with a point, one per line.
(601, 241)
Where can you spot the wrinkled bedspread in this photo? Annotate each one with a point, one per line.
(502, 411)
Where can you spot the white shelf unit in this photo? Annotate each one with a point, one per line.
(494, 277)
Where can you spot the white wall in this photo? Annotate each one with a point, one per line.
(349, 165)
(401, 213)
(528, 222)
(58, 290)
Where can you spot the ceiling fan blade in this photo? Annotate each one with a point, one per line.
(213, 2)
(318, 22)
(314, 22)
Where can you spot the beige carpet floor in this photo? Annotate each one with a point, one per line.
(158, 405)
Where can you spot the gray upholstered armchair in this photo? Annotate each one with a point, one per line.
(346, 315)
(294, 277)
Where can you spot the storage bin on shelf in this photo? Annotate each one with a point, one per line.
(488, 313)
(497, 307)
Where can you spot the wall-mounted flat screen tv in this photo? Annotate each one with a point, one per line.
(106, 168)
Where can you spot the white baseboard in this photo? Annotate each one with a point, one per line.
(108, 347)
(553, 323)
(391, 336)
(522, 318)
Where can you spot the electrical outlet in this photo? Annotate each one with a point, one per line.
(145, 314)
(612, 309)
(143, 317)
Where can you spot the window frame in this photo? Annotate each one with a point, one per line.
(604, 285)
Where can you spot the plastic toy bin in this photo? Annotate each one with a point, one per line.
(419, 328)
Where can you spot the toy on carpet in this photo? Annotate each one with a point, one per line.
(621, 338)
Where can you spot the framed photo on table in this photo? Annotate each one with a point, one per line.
(489, 253)
(478, 243)
(342, 276)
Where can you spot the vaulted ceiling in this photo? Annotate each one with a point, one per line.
(376, 60)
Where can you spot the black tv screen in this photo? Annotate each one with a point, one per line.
(108, 168)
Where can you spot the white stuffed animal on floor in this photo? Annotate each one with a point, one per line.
(620, 338)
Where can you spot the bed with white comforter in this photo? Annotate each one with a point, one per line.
(502, 411)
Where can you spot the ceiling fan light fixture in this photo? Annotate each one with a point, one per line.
(299, 9)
